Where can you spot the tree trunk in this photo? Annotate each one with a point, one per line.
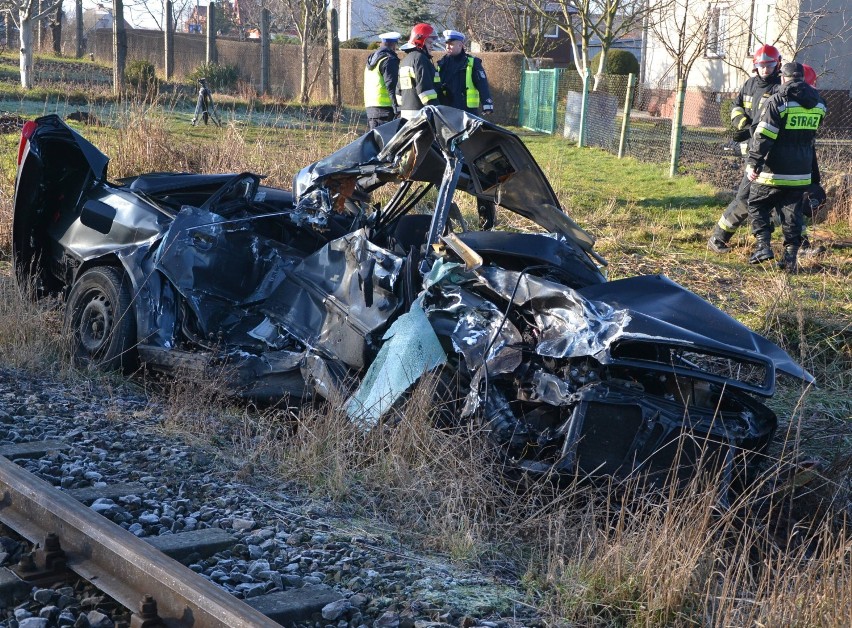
(27, 58)
(304, 96)
(600, 69)
(56, 30)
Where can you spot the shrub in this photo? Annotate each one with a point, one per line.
(356, 43)
(286, 39)
(218, 76)
(374, 45)
(141, 74)
(619, 62)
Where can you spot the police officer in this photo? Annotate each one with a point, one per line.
(747, 103)
(463, 81)
(380, 76)
(417, 83)
(780, 163)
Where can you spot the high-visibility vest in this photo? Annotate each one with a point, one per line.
(471, 91)
(375, 91)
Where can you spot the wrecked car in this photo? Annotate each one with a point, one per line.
(366, 275)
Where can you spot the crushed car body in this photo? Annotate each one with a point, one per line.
(326, 291)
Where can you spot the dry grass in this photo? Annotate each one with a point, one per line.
(591, 555)
(29, 330)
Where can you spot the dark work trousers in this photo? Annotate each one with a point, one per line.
(377, 116)
(736, 213)
(787, 202)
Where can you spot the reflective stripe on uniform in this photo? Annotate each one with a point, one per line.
(783, 180)
(406, 77)
(428, 96)
(726, 226)
(769, 130)
(408, 114)
(737, 111)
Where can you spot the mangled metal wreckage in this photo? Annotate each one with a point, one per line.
(297, 293)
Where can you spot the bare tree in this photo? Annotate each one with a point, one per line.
(503, 25)
(685, 31)
(155, 10)
(586, 20)
(26, 14)
(308, 19)
(680, 28)
(816, 32)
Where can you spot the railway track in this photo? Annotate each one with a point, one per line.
(144, 576)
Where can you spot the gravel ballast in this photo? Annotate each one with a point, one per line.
(285, 541)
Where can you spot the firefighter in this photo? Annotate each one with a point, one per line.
(380, 76)
(417, 83)
(752, 95)
(463, 81)
(780, 164)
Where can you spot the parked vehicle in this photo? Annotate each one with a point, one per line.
(325, 291)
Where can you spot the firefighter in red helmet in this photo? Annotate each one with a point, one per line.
(747, 103)
(417, 83)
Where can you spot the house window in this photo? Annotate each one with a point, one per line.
(550, 29)
(761, 21)
(715, 33)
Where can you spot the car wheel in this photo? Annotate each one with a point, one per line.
(100, 321)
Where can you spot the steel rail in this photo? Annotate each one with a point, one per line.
(121, 565)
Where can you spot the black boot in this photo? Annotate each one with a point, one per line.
(762, 251)
(809, 250)
(788, 263)
(718, 242)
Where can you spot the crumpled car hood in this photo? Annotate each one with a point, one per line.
(662, 310)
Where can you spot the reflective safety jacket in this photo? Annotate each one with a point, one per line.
(747, 103)
(463, 83)
(782, 149)
(380, 76)
(417, 82)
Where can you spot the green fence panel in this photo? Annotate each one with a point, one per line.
(539, 89)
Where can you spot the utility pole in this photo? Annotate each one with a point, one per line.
(169, 36)
(264, 51)
(212, 57)
(333, 57)
(119, 47)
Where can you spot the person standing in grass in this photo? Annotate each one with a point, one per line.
(380, 76)
(752, 95)
(780, 164)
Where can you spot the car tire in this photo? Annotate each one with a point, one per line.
(100, 321)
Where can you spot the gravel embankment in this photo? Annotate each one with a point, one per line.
(286, 540)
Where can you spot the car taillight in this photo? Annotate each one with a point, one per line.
(26, 133)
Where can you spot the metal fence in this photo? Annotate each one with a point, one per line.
(551, 102)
